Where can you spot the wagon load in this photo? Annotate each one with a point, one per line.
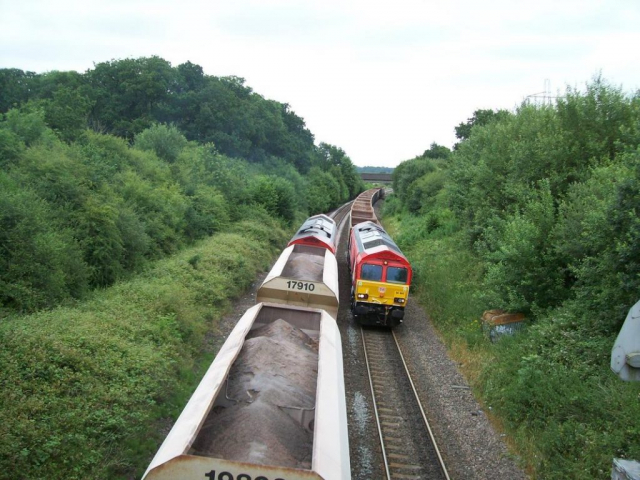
(362, 208)
(271, 405)
(274, 372)
(303, 266)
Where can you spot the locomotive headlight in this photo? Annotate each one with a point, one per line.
(363, 296)
(398, 300)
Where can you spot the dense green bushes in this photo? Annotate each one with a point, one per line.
(126, 97)
(275, 195)
(85, 214)
(160, 109)
(514, 182)
(553, 388)
(82, 386)
(191, 151)
(537, 211)
(39, 264)
(88, 381)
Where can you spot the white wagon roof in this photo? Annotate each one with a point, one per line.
(301, 286)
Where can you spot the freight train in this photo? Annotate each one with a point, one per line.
(362, 207)
(380, 273)
(272, 404)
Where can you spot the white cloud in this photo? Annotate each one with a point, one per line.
(382, 81)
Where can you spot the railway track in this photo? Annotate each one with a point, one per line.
(408, 446)
(340, 215)
(409, 449)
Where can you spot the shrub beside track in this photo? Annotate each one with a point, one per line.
(83, 387)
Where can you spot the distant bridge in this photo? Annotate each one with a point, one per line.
(384, 178)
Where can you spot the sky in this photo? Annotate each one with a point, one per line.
(381, 80)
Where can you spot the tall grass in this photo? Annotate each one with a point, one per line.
(446, 275)
(83, 388)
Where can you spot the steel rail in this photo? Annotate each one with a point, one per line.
(431, 437)
(339, 210)
(375, 407)
(424, 416)
(343, 210)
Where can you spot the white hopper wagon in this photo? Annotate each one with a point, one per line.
(305, 276)
(270, 407)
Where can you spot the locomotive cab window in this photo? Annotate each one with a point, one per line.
(396, 275)
(371, 272)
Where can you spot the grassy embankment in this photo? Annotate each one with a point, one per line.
(85, 389)
(550, 388)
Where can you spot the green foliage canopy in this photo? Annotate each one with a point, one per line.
(539, 210)
(190, 152)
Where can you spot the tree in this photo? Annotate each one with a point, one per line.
(408, 172)
(208, 212)
(299, 145)
(129, 93)
(166, 141)
(323, 191)
(16, 88)
(11, 147)
(46, 84)
(28, 124)
(275, 194)
(480, 117)
(67, 112)
(190, 77)
(331, 156)
(39, 264)
(437, 151)
(596, 121)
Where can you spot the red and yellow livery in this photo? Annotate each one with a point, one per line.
(380, 276)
